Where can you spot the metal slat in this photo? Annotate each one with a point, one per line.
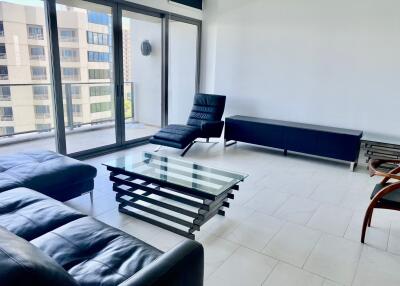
(155, 212)
(161, 193)
(145, 198)
(157, 223)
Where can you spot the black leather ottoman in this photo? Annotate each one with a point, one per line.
(47, 172)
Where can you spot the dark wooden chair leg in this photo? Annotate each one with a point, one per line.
(370, 218)
(367, 218)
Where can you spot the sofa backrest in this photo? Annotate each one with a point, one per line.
(206, 107)
(21, 263)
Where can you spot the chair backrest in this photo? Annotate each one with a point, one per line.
(206, 107)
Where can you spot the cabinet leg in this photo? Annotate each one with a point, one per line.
(353, 166)
(285, 152)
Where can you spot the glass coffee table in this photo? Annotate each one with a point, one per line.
(174, 194)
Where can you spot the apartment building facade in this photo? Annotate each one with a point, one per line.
(85, 41)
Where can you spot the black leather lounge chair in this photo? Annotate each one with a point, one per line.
(204, 122)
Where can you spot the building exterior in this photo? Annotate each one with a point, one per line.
(85, 53)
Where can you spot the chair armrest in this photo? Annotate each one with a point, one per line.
(212, 128)
(183, 265)
(374, 165)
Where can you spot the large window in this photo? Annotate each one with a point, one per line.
(98, 56)
(98, 18)
(69, 54)
(6, 114)
(99, 74)
(7, 130)
(40, 92)
(71, 73)
(42, 111)
(100, 107)
(1, 29)
(100, 90)
(68, 35)
(4, 72)
(5, 93)
(3, 52)
(35, 32)
(37, 52)
(97, 38)
(38, 73)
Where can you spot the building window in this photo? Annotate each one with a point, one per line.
(40, 92)
(98, 18)
(42, 111)
(43, 127)
(1, 29)
(99, 73)
(97, 38)
(7, 130)
(36, 52)
(99, 90)
(35, 32)
(77, 109)
(4, 72)
(3, 53)
(5, 93)
(38, 73)
(69, 55)
(68, 35)
(6, 113)
(71, 73)
(76, 91)
(98, 57)
(100, 107)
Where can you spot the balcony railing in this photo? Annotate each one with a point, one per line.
(5, 97)
(69, 96)
(4, 76)
(38, 57)
(36, 36)
(6, 117)
(2, 33)
(3, 56)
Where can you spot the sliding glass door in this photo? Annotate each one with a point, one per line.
(85, 34)
(142, 47)
(85, 76)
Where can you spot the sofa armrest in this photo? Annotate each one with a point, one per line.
(212, 128)
(181, 266)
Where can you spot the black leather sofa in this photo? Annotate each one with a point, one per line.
(44, 242)
(204, 122)
(47, 172)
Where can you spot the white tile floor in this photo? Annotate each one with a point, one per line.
(295, 221)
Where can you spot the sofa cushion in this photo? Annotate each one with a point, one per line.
(95, 253)
(179, 134)
(43, 171)
(21, 263)
(30, 214)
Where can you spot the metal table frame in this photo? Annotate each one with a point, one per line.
(129, 192)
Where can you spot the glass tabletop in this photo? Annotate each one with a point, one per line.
(179, 172)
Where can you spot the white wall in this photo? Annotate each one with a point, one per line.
(171, 7)
(182, 70)
(318, 61)
(146, 70)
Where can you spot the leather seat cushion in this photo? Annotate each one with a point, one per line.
(94, 253)
(30, 214)
(391, 198)
(21, 263)
(42, 171)
(183, 134)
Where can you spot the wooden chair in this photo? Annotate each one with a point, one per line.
(386, 194)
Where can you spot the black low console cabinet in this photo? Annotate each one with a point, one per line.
(330, 142)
